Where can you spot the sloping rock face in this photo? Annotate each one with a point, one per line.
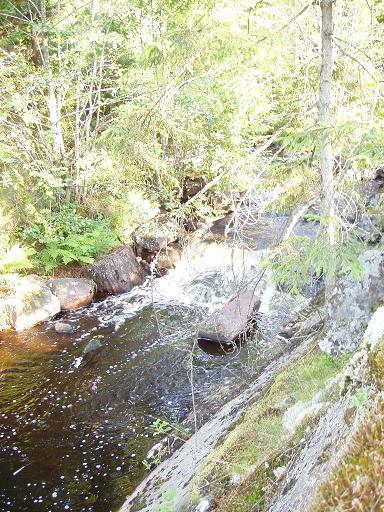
(313, 463)
(231, 321)
(30, 303)
(157, 234)
(116, 272)
(73, 293)
(178, 471)
(351, 305)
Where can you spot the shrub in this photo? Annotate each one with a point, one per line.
(67, 236)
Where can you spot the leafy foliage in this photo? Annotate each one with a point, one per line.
(303, 260)
(67, 237)
(121, 111)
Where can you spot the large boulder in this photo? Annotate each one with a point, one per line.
(116, 272)
(351, 304)
(73, 293)
(28, 303)
(232, 321)
(156, 234)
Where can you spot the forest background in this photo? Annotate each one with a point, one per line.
(110, 109)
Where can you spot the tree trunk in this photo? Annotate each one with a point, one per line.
(325, 118)
(41, 47)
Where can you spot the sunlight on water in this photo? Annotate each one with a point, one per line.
(76, 423)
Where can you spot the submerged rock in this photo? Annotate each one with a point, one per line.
(116, 272)
(73, 293)
(63, 328)
(91, 346)
(234, 320)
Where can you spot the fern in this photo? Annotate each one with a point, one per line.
(76, 248)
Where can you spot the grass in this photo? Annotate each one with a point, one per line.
(253, 448)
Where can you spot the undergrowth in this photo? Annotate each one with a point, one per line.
(66, 236)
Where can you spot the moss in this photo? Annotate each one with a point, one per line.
(357, 482)
(254, 491)
(252, 448)
(376, 367)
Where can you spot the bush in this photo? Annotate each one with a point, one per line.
(67, 236)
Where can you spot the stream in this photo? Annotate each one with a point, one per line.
(75, 428)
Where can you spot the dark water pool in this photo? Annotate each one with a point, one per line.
(74, 430)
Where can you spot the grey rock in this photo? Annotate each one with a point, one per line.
(32, 303)
(203, 506)
(157, 234)
(232, 320)
(282, 406)
(235, 479)
(320, 452)
(280, 473)
(116, 272)
(351, 304)
(73, 293)
(376, 199)
(300, 412)
(63, 328)
(354, 373)
(370, 228)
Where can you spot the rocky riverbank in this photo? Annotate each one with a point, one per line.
(28, 300)
(275, 446)
(156, 248)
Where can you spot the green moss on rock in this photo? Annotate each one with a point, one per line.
(357, 483)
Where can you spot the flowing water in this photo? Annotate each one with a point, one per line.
(75, 427)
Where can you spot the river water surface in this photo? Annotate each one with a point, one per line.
(75, 428)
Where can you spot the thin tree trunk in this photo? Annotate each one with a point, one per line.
(54, 101)
(325, 118)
